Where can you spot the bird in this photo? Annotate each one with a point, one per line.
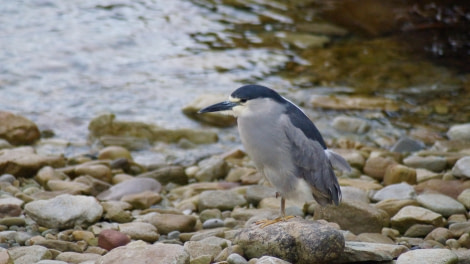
(285, 146)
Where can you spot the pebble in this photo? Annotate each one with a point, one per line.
(441, 204)
(109, 239)
(211, 169)
(451, 188)
(432, 163)
(410, 215)
(464, 198)
(24, 162)
(165, 175)
(462, 167)
(200, 248)
(65, 211)
(350, 193)
(166, 223)
(392, 206)
(426, 256)
(376, 166)
(213, 223)
(18, 130)
(271, 260)
(113, 153)
(355, 251)
(142, 200)
(235, 258)
(397, 173)
(350, 124)
(255, 193)
(140, 230)
(419, 230)
(73, 257)
(399, 191)
(439, 234)
(139, 252)
(132, 186)
(222, 200)
(407, 145)
(459, 132)
(29, 254)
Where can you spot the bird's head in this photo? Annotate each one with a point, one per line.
(246, 98)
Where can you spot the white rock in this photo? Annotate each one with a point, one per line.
(441, 203)
(459, 132)
(462, 167)
(65, 211)
(426, 256)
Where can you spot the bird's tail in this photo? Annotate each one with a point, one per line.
(337, 161)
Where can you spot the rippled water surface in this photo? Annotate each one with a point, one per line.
(64, 62)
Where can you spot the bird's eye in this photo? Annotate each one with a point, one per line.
(242, 101)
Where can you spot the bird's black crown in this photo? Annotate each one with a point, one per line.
(253, 91)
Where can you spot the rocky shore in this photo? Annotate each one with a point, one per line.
(405, 204)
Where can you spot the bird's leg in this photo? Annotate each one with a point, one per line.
(283, 217)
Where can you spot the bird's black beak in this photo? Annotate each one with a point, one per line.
(222, 106)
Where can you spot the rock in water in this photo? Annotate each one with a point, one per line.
(65, 211)
(297, 241)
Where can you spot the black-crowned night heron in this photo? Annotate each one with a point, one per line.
(284, 145)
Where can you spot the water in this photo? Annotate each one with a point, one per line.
(65, 62)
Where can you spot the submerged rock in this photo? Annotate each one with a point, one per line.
(297, 241)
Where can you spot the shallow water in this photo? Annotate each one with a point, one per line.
(64, 62)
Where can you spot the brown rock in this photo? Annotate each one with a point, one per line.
(18, 130)
(352, 215)
(397, 173)
(166, 223)
(361, 184)
(114, 152)
(450, 188)
(24, 162)
(392, 206)
(142, 200)
(376, 166)
(439, 234)
(109, 239)
(7, 210)
(98, 171)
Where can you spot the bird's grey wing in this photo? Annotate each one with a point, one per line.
(312, 165)
(300, 120)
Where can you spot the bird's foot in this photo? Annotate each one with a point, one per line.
(266, 222)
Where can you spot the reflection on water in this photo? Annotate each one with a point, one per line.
(64, 62)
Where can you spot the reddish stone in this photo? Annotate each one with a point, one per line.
(450, 188)
(109, 239)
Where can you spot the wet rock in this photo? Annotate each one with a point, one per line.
(29, 254)
(397, 173)
(351, 124)
(133, 186)
(418, 230)
(222, 200)
(109, 239)
(64, 211)
(175, 174)
(425, 256)
(464, 198)
(376, 166)
(439, 234)
(215, 118)
(24, 162)
(450, 188)
(392, 206)
(441, 204)
(351, 215)
(462, 168)
(113, 153)
(400, 191)
(211, 169)
(142, 200)
(410, 215)
(407, 145)
(459, 132)
(73, 257)
(166, 223)
(139, 252)
(18, 130)
(432, 163)
(355, 251)
(296, 241)
(140, 231)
